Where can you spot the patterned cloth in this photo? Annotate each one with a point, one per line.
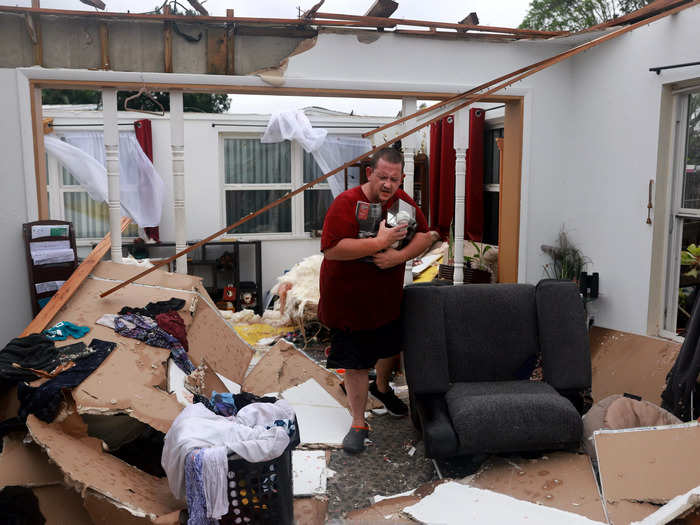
(146, 329)
(194, 485)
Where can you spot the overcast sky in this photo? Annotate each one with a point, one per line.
(502, 13)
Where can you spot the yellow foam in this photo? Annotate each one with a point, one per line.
(252, 333)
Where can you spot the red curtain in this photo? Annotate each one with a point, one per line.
(474, 213)
(442, 176)
(145, 138)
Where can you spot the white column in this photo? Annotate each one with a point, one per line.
(177, 147)
(111, 138)
(408, 107)
(461, 136)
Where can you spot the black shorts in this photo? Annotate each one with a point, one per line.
(361, 349)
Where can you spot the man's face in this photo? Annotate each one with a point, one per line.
(384, 180)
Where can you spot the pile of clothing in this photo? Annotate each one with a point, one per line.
(157, 324)
(197, 446)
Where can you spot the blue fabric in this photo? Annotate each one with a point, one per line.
(224, 404)
(194, 486)
(65, 329)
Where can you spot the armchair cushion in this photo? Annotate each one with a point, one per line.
(507, 416)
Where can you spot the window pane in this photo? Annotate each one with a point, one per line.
(67, 179)
(691, 176)
(316, 203)
(312, 171)
(688, 285)
(90, 218)
(492, 156)
(248, 161)
(241, 203)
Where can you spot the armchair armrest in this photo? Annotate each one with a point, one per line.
(561, 319)
(438, 434)
(423, 340)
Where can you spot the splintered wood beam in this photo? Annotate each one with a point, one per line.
(104, 45)
(217, 47)
(199, 7)
(472, 19)
(382, 8)
(373, 20)
(526, 71)
(65, 292)
(230, 45)
(168, 47)
(99, 4)
(33, 25)
(311, 12)
(470, 100)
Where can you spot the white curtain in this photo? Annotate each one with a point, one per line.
(336, 151)
(329, 152)
(141, 188)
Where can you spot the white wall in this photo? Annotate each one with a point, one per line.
(614, 130)
(16, 310)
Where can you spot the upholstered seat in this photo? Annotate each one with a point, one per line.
(468, 353)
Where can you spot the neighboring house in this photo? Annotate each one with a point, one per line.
(583, 139)
(235, 174)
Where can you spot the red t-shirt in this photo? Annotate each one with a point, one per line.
(357, 295)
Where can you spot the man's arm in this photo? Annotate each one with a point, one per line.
(349, 249)
(419, 243)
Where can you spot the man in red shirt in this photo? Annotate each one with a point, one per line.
(360, 300)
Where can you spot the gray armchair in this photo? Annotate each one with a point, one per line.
(468, 352)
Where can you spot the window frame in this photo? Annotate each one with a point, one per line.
(677, 214)
(297, 181)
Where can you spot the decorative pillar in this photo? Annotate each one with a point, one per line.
(111, 138)
(177, 147)
(408, 107)
(461, 137)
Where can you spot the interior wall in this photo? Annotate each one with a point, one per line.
(616, 106)
(16, 309)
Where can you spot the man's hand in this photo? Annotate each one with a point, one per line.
(388, 236)
(388, 258)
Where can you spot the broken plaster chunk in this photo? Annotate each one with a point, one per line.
(113, 401)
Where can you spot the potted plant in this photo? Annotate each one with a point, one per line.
(476, 269)
(567, 260)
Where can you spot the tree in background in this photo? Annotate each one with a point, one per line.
(574, 15)
(193, 102)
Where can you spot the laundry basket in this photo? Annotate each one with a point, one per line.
(261, 493)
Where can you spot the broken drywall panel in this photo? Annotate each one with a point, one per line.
(651, 465)
(104, 512)
(25, 464)
(253, 53)
(126, 383)
(378, 498)
(176, 384)
(389, 510)
(211, 336)
(562, 480)
(159, 277)
(283, 366)
(322, 420)
(613, 351)
(309, 472)
(678, 507)
(87, 466)
(310, 511)
(625, 512)
(454, 503)
(231, 386)
(61, 505)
